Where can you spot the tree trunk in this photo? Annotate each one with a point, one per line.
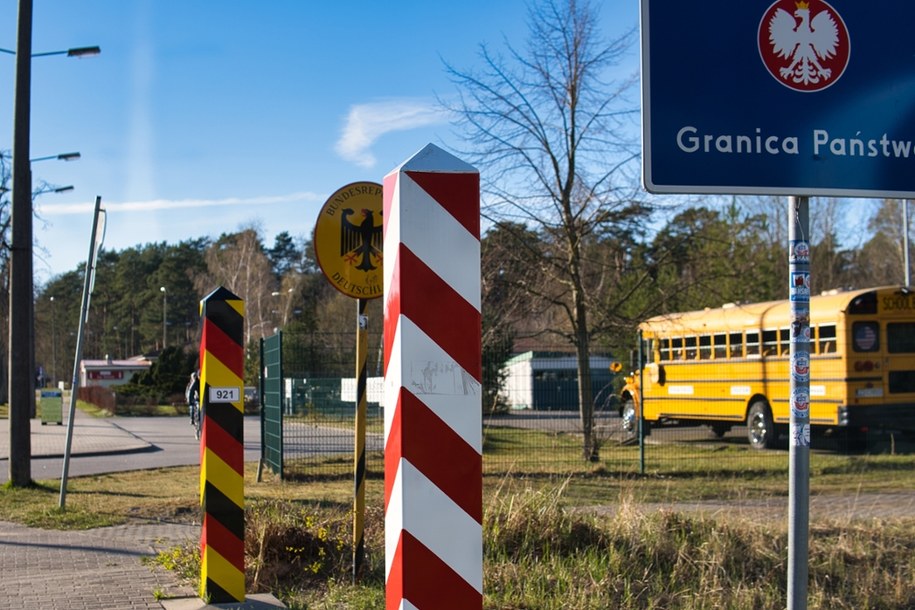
(590, 449)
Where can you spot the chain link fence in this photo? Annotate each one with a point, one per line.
(534, 426)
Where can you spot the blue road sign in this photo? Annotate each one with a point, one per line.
(790, 97)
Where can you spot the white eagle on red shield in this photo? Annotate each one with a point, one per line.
(806, 48)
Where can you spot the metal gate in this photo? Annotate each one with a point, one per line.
(272, 402)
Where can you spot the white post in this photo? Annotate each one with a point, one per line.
(433, 406)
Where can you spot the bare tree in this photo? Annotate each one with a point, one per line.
(881, 258)
(239, 263)
(554, 139)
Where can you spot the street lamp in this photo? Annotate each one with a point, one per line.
(71, 156)
(164, 307)
(22, 314)
(53, 346)
(47, 188)
(74, 52)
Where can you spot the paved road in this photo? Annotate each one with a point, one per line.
(116, 444)
(608, 426)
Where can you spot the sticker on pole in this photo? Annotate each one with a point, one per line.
(229, 394)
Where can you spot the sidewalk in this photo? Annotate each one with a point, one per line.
(102, 568)
(79, 570)
(91, 436)
(99, 569)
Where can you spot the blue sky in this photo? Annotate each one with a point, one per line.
(200, 117)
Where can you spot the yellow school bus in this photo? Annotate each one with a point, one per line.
(730, 366)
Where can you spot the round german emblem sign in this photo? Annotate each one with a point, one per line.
(348, 240)
(804, 45)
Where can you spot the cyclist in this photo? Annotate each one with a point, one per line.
(192, 397)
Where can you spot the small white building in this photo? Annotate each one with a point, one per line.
(549, 380)
(108, 372)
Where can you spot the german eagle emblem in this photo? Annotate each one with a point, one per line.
(360, 243)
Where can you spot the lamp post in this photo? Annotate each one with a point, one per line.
(286, 305)
(53, 346)
(22, 314)
(164, 308)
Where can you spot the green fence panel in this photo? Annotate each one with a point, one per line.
(272, 406)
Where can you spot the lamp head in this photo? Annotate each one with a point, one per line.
(84, 52)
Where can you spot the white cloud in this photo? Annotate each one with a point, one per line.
(368, 122)
(177, 204)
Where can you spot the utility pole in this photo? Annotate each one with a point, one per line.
(21, 349)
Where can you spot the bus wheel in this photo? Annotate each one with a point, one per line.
(629, 423)
(760, 426)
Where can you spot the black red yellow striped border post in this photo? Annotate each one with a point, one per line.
(222, 492)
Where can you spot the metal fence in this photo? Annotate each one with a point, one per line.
(537, 429)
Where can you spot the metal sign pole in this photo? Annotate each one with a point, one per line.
(348, 246)
(799, 459)
(641, 407)
(907, 275)
(88, 283)
(362, 351)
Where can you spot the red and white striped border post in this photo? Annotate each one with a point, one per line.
(432, 371)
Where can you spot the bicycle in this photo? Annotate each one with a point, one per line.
(196, 417)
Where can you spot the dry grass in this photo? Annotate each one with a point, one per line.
(541, 555)
(543, 550)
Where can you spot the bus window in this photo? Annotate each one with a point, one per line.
(736, 342)
(676, 348)
(691, 348)
(900, 337)
(721, 346)
(901, 382)
(705, 347)
(864, 304)
(865, 336)
(752, 344)
(649, 351)
(665, 349)
(770, 342)
(826, 339)
(784, 341)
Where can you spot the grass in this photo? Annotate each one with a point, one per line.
(542, 551)
(96, 411)
(547, 546)
(541, 555)
(89, 408)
